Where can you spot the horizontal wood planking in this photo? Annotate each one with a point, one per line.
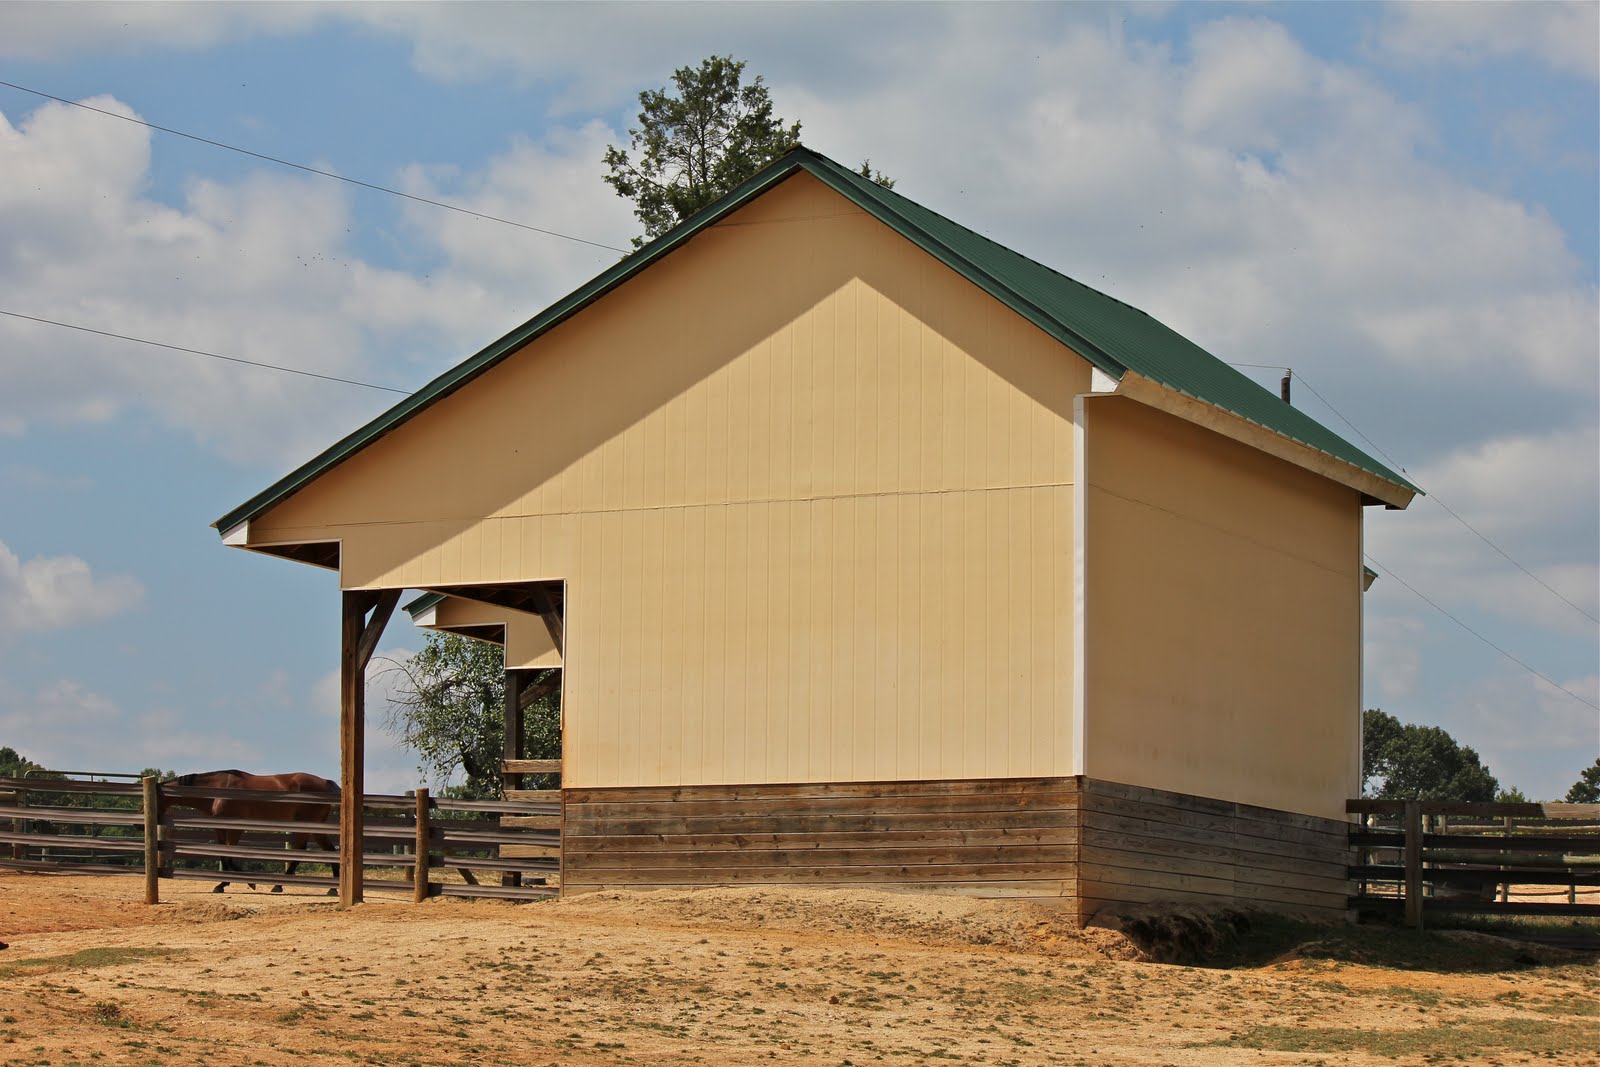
(1142, 846)
(577, 825)
(1056, 892)
(876, 790)
(1043, 856)
(1013, 837)
(530, 766)
(851, 874)
(822, 839)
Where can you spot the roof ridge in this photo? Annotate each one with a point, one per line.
(1008, 249)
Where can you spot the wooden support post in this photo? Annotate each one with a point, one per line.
(151, 796)
(419, 873)
(553, 622)
(513, 724)
(514, 749)
(1413, 829)
(357, 641)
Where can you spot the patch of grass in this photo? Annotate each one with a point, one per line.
(109, 1013)
(1460, 1039)
(83, 960)
(1577, 931)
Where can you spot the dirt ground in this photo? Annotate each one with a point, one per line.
(736, 977)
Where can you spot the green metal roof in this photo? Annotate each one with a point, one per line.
(423, 603)
(1108, 333)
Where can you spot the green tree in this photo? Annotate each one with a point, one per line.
(1512, 795)
(697, 141)
(1586, 790)
(1402, 761)
(14, 764)
(449, 708)
(693, 145)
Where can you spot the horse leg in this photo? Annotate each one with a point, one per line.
(224, 865)
(296, 842)
(326, 842)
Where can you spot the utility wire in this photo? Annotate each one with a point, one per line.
(314, 170)
(1480, 637)
(202, 352)
(1452, 511)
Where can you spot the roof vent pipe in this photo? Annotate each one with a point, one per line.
(1283, 386)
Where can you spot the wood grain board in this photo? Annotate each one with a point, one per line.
(1105, 844)
(987, 837)
(1143, 846)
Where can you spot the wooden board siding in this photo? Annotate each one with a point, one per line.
(1139, 845)
(990, 837)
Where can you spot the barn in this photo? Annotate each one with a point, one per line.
(875, 553)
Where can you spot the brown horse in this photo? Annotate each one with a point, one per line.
(276, 811)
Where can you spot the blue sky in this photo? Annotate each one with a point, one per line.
(1399, 201)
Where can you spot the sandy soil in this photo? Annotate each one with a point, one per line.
(722, 977)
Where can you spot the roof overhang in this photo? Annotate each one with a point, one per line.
(524, 634)
(1373, 489)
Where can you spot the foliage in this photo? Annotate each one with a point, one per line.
(1586, 790)
(697, 141)
(449, 708)
(1512, 795)
(866, 171)
(1409, 762)
(14, 764)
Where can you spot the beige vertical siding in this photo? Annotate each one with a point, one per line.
(527, 640)
(809, 493)
(1222, 616)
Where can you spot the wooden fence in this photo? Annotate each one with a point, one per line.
(100, 827)
(1519, 859)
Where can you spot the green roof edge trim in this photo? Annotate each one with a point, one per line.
(423, 603)
(1005, 277)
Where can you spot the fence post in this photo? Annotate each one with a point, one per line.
(19, 825)
(1413, 826)
(419, 873)
(1505, 885)
(151, 790)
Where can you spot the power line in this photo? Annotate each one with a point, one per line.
(1480, 637)
(314, 170)
(1451, 511)
(202, 352)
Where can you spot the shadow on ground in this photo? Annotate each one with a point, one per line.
(1229, 938)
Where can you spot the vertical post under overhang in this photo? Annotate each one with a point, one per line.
(358, 639)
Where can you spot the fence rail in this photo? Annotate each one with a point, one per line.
(1426, 856)
(57, 823)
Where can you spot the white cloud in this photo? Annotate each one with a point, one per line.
(1516, 721)
(1561, 35)
(1392, 655)
(51, 31)
(52, 592)
(261, 269)
(1536, 497)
